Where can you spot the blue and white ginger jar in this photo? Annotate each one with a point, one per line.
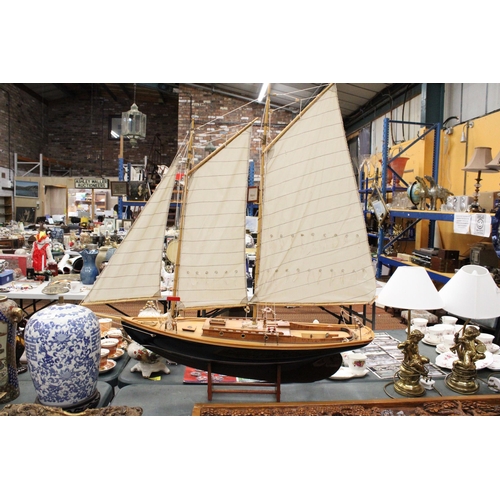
(63, 349)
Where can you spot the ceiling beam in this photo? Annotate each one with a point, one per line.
(125, 91)
(107, 90)
(65, 90)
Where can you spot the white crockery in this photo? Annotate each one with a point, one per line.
(449, 320)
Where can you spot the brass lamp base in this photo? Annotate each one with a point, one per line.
(462, 380)
(408, 383)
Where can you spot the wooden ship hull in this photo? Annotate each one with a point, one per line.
(299, 352)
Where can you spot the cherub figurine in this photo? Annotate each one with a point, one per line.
(468, 348)
(412, 358)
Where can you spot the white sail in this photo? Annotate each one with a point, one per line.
(313, 247)
(211, 267)
(134, 272)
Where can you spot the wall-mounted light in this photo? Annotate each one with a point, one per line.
(465, 131)
(449, 130)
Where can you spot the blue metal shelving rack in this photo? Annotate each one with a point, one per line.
(432, 216)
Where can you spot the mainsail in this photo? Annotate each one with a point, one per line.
(134, 272)
(313, 245)
(211, 264)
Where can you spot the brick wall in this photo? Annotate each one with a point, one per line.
(79, 133)
(218, 116)
(74, 131)
(23, 125)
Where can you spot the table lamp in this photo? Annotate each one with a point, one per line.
(481, 163)
(471, 294)
(410, 288)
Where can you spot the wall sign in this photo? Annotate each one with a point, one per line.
(91, 183)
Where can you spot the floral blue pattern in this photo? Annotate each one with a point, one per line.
(63, 348)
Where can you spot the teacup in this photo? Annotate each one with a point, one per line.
(449, 320)
(104, 358)
(435, 333)
(419, 324)
(110, 345)
(357, 362)
(448, 340)
(105, 324)
(76, 286)
(115, 333)
(487, 340)
(345, 358)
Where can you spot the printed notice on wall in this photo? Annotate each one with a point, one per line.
(461, 223)
(477, 224)
(480, 224)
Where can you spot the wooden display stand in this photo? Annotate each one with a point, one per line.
(276, 388)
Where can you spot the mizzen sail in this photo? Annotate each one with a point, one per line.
(313, 245)
(134, 272)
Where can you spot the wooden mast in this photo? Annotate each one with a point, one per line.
(265, 131)
(189, 166)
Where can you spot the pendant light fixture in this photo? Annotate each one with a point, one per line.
(133, 124)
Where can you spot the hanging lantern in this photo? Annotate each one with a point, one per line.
(133, 125)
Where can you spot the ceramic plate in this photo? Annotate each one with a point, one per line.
(118, 354)
(344, 373)
(495, 364)
(441, 349)
(109, 366)
(426, 340)
(494, 348)
(446, 359)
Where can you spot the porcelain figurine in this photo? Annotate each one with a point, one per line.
(148, 361)
(41, 252)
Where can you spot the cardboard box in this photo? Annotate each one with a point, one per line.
(404, 257)
(6, 277)
(487, 199)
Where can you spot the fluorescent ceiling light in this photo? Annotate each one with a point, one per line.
(263, 91)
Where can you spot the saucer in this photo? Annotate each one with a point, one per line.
(427, 341)
(345, 373)
(109, 366)
(495, 364)
(118, 354)
(446, 359)
(442, 348)
(494, 348)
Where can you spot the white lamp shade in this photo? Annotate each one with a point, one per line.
(410, 288)
(472, 293)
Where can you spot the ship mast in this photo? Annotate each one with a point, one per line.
(265, 132)
(189, 166)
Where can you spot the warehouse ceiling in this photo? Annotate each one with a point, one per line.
(355, 98)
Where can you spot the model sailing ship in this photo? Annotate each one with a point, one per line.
(312, 249)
